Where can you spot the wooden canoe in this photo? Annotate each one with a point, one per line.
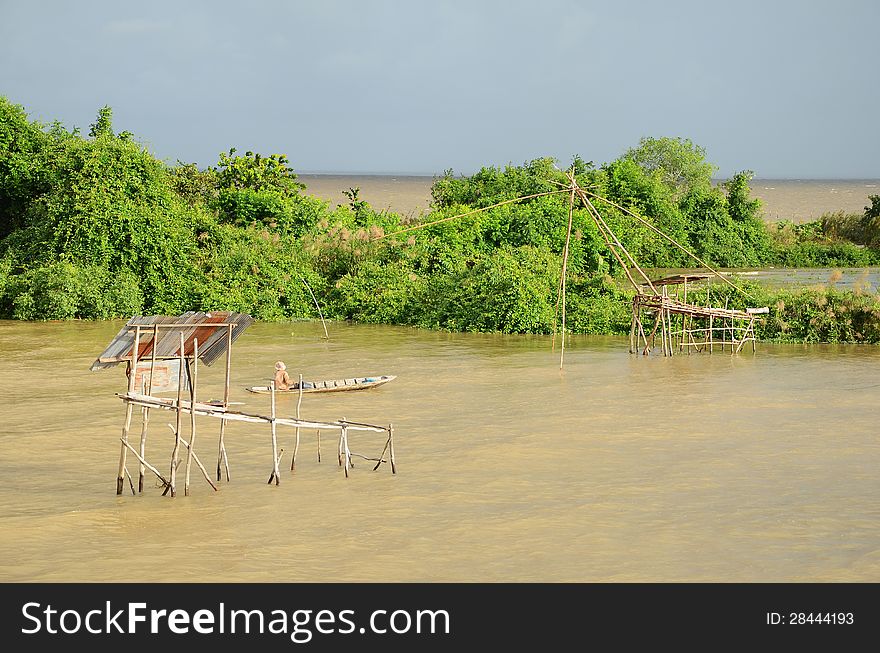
(331, 385)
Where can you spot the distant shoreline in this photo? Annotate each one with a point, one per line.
(799, 200)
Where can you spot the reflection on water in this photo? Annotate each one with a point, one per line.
(619, 468)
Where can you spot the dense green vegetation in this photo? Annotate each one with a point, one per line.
(96, 227)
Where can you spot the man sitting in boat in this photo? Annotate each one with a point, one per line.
(282, 379)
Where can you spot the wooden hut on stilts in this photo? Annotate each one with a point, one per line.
(162, 354)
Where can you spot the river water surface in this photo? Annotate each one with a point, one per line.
(756, 467)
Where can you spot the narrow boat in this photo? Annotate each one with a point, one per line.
(331, 385)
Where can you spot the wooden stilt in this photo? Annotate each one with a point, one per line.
(132, 372)
(346, 454)
(382, 455)
(752, 330)
(651, 335)
(340, 446)
(221, 449)
(684, 320)
(175, 453)
(663, 326)
(564, 267)
(275, 475)
(130, 481)
(196, 460)
(724, 327)
(165, 481)
(145, 416)
(296, 443)
(391, 448)
(319, 445)
(146, 410)
(194, 379)
(711, 337)
(632, 328)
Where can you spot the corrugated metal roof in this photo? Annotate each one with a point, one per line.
(209, 328)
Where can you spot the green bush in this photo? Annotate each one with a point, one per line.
(64, 291)
(512, 290)
(376, 293)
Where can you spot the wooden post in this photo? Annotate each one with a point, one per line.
(148, 465)
(319, 445)
(298, 404)
(275, 475)
(752, 330)
(153, 358)
(192, 413)
(391, 448)
(221, 452)
(132, 370)
(663, 329)
(710, 333)
(175, 453)
(130, 482)
(684, 318)
(145, 413)
(632, 328)
(564, 267)
(340, 446)
(653, 332)
(346, 454)
(197, 461)
(724, 326)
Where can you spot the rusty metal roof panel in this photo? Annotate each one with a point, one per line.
(209, 328)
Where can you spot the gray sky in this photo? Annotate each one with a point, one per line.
(784, 88)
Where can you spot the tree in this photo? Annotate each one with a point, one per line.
(870, 222)
(257, 172)
(679, 164)
(103, 125)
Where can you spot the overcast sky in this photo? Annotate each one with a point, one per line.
(787, 89)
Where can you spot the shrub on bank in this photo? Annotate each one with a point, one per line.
(96, 227)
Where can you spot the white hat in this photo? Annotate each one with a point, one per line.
(280, 365)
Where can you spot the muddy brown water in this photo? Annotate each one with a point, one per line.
(755, 467)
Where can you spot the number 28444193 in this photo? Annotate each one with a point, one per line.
(803, 618)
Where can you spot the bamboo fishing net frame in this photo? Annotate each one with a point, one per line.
(657, 304)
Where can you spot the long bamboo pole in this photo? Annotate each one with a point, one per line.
(314, 299)
(275, 475)
(382, 455)
(221, 448)
(165, 481)
(132, 372)
(632, 326)
(565, 267)
(130, 481)
(196, 460)
(600, 220)
(346, 454)
(192, 413)
(671, 240)
(391, 448)
(175, 453)
(146, 410)
(145, 416)
(296, 443)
